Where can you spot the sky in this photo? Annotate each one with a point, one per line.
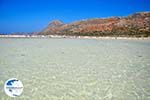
(35, 15)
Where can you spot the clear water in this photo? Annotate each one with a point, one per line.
(76, 69)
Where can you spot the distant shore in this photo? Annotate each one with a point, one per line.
(64, 36)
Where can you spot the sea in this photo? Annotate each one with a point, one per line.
(76, 69)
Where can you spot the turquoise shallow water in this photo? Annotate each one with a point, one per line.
(76, 69)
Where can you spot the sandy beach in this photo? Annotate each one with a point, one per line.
(64, 36)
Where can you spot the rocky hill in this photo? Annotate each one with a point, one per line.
(136, 25)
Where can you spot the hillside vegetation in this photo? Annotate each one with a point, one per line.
(136, 25)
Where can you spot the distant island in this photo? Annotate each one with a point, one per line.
(135, 25)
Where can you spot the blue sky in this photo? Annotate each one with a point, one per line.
(34, 15)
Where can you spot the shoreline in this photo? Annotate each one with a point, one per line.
(72, 37)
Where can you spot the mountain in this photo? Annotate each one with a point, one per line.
(137, 24)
